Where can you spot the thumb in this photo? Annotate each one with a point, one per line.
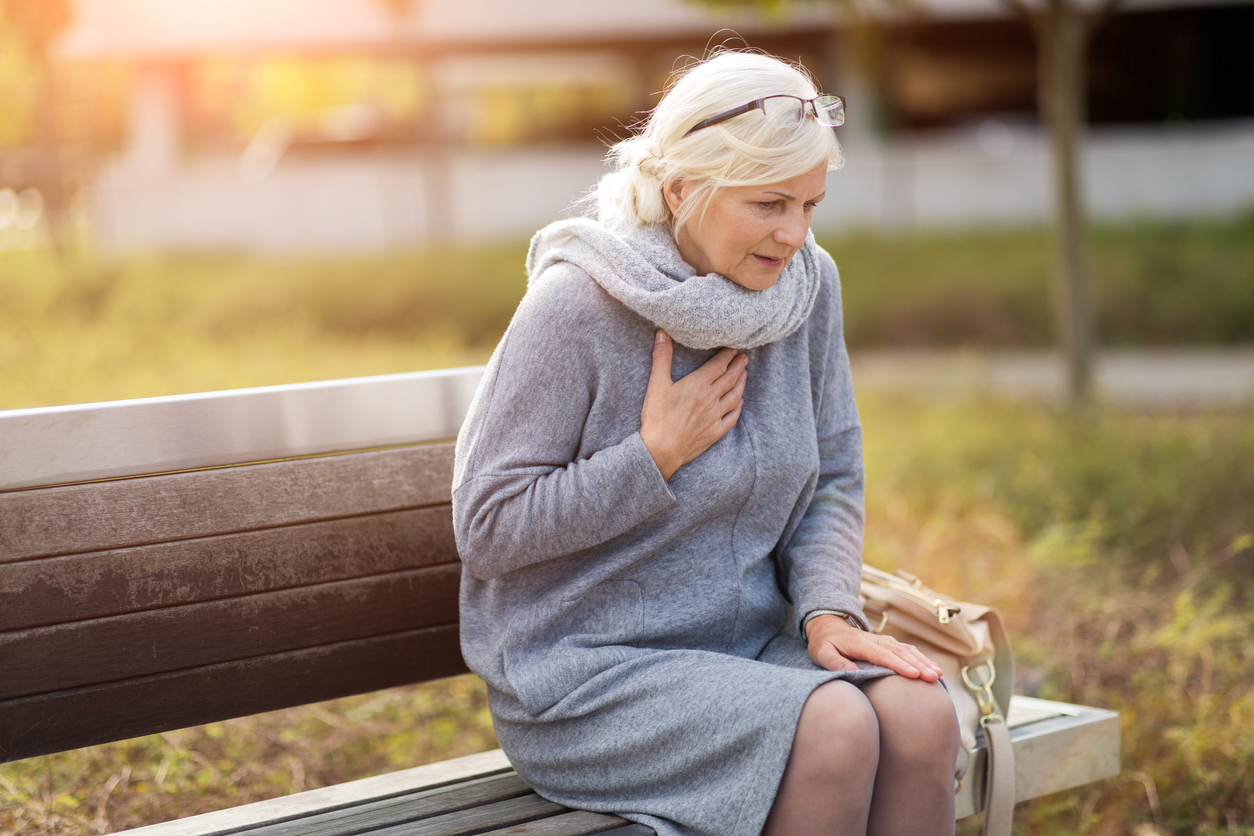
(663, 351)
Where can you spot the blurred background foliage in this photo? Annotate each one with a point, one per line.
(1118, 542)
(102, 329)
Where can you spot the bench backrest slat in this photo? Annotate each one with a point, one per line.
(165, 601)
(58, 590)
(246, 627)
(181, 506)
(31, 726)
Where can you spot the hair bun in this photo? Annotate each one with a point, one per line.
(649, 159)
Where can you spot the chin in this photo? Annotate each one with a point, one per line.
(756, 282)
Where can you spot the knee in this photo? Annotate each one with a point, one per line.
(917, 720)
(839, 721)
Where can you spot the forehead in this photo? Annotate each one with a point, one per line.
(805, 186)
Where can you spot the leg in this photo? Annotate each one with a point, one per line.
(914, 787)
(826, 788)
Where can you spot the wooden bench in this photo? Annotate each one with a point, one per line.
(175, 561)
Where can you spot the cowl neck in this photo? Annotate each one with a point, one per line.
(644, 270)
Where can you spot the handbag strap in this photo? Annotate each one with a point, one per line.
(999, 779)
(999, 793)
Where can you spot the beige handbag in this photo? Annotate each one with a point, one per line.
(970, 645)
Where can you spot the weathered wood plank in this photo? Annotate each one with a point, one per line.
(76, 587)
(432, 776)
(363, 818)
(46, 723)
(182, 506)
(121, 647)
(483, 819)
(576, 823)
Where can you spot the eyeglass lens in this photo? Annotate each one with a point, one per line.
(788, 110)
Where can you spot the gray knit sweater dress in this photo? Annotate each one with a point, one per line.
(640, 636)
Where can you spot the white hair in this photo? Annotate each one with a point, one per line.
(746, 150)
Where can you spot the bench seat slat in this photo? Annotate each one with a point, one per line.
(57, 590)
(576, 823)
(180, 506)
(371, 816)
(39, 725)
(109, 649)
(483, 819)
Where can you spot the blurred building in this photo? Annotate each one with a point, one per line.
(369, 124)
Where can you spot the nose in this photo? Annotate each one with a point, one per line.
(792, 230)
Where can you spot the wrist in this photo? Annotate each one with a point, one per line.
(665, 462)
(843, 615)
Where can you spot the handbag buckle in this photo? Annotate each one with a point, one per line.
(984, 690)
(945, 611)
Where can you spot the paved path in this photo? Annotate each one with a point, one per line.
(1156, 378)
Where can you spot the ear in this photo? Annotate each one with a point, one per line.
(673, 193)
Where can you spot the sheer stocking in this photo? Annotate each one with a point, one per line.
(914, 785)
(826, 788)
(877, 760)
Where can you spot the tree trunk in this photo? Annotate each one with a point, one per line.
(1061, 41)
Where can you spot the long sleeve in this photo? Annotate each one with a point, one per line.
(527, 488)
(822, 555)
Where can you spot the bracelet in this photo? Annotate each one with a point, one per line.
(850, 619)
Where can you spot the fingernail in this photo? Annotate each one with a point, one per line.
(912, 669)
(661, 337)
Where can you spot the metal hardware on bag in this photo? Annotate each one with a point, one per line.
(883, 623)
(984, 691)
(945, 611)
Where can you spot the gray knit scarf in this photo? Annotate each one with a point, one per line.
(645, 272)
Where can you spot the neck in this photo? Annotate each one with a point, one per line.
(691, 253)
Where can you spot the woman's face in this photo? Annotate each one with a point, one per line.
(748, 233)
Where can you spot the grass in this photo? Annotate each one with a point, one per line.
(163, 326)
(1119, 544)
(160, 777)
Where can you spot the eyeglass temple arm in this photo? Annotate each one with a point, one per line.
(723, 117)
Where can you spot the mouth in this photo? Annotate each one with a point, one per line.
(771, 263)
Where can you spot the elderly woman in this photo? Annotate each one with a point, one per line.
(658, 498)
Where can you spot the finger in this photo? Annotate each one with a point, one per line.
(912, 666)
(663, 352)
(733, 375)
(915, 657)
(717, 365)
(729, 420)
(732, 399)
(886, 653)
